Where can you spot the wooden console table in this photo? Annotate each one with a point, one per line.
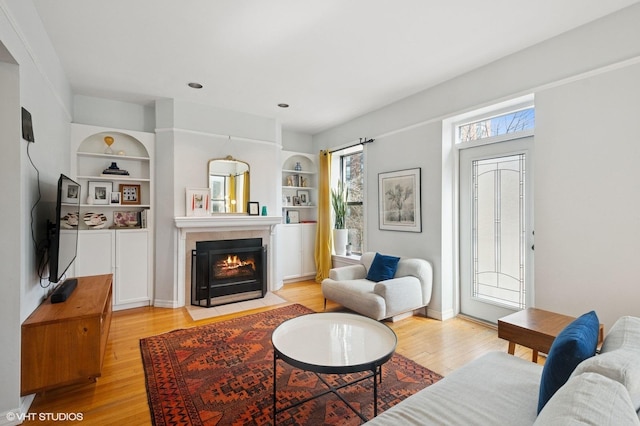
(535, 329)
(64, 343)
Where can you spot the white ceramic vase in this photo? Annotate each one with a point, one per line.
(340, 237)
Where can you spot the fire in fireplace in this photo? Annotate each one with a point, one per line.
(226, 271)
(232, 265)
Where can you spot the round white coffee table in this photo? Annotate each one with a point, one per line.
(333, 343)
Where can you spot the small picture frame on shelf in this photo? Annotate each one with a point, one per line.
(296, 200)
(129, 194)
(70, 192)
(198, 201)
(99, 192)
(294, 216)
(253, 208)
(114, 198)
(304, 197)
(126, 219)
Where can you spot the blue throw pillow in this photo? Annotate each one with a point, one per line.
(382, 268)
(574, 344)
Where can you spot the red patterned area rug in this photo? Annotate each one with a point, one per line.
(222, 374)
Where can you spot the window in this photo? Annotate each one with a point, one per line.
(511, 122)
(352, 174)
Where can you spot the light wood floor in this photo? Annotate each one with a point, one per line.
(119, 396)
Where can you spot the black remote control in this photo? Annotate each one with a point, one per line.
(64, 290)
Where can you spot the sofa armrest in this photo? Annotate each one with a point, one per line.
(350, 272)
(400, 294)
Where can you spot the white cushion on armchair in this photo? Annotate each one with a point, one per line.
(409, 289)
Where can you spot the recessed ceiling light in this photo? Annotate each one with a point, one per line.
(283, 105)
(195, 85)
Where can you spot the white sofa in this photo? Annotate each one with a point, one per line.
(408, 290)
(500, 389)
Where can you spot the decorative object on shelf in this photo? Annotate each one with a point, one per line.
(297, 167)
(69, 221)
(114, 198)
(264, 210)
(130, 193)
(113, 169)
(296, 200)
(122, 152)
(99, 192)
(348, 249)
(70, 192)
(126, 219)
(294, 216)
(95, 220)
(303, 182)
(198, 201)
(304, 197)
(109, 141)
(399, 201)
(339, 203)
(253, 208)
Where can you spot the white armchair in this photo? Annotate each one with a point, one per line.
(408, 290)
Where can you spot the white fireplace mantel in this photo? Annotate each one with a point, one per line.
(218, 223)
(226, 222)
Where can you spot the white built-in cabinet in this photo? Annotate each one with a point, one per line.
(297, 247)
(125, 250)
(297, 235)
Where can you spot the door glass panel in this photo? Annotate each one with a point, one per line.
(498, 231)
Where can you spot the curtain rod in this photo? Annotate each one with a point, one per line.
(362, 142)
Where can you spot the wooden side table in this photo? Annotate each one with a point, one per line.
(535, 329)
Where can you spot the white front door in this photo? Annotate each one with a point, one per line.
(496, 229)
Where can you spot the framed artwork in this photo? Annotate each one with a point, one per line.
(125, 219)
(70, 192)
(399, 203)
(304, 197)
(99, 192)
(129, 193)
(294, 216)
(114, 198)
(253, 208)
(198, 201)
(296, 200)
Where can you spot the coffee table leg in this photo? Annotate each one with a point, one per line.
(534, 356)
(274, 387)
(375, 389)
(512, 348)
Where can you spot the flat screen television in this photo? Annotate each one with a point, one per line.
(63, 234)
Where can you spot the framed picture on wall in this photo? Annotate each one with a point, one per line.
(99, 192)
(253, 208)
(198, 201)
(129, 193)
(399, 201)
(70, 192)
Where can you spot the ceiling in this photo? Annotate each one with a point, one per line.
(331, 60)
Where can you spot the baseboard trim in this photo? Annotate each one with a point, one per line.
(18, 415)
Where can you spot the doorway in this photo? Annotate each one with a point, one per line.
(496, 228)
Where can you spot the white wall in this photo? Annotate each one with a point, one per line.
(37, 83)
(188, 136)
(399, 141)
(587, 196)
(114, 114)
(296, 141)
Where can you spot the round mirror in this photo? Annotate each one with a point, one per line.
(229, 185)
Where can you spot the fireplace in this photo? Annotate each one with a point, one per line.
(227, 271)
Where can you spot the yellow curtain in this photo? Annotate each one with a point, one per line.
(232, 194)
(323, 233)
(245, 189)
